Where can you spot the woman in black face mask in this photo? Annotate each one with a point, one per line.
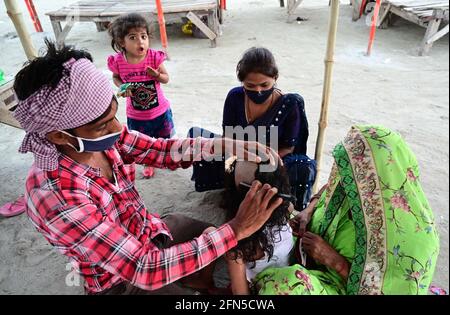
(258, 103)
(268, 116)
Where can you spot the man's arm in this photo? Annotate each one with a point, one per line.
(162, 153)
(76, 225)
(175, 153)
(84, 232)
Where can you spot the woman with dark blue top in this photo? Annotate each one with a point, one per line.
(284, 113)
(268, 116)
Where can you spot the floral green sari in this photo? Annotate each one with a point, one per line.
(375, 214)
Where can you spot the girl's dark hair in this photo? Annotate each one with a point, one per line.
(269, 233)
(257, 60)
(46, 69)
(120, 27)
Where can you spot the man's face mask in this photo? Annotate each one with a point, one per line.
(94, 145)
(259, 97)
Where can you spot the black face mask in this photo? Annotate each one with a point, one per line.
(259, 97)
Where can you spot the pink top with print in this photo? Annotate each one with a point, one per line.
(148, 100)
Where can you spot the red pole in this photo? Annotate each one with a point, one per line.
(34, 16)
(361, 8)
(223, 4)
(162, 25)
(373, 28)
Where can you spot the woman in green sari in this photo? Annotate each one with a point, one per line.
(370, 231)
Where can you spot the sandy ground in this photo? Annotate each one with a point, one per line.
(394, 87)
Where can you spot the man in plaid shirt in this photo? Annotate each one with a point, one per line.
(80, 191)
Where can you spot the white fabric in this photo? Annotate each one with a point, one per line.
(283, 245)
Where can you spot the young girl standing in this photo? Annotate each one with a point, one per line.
(148, 110)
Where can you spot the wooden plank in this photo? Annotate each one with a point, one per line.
(432, 28)
(7, 97)
(384, 9)
(355, 9)
(57, 29)
(112, 8)
(105, 11)
(438, 35)
(213, 24)
(408, 16)
(410, 3)
(420, 7)
(421, 10)
(7, 118)
(83, 8)
(8, 101)
(65, 31)
(169, 7)
(202, 26)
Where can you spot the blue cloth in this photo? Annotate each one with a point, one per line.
(207, 175)
(302, 172)
(160, 127)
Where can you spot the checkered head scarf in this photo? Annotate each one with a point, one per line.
(82, 95)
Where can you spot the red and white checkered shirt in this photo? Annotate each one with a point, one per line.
(105, 229)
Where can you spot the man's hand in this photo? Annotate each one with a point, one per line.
(251, 151)
(255, 210)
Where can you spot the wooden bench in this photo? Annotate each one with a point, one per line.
(8, 101)
(428, 14)
(103, 12)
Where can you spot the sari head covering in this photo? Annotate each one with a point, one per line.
(375, 214)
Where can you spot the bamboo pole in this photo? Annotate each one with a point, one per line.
(13, 11)
(326, 92)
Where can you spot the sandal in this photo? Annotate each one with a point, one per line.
(12, 209)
